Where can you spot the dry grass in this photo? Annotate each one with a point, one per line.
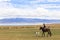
(28, 32)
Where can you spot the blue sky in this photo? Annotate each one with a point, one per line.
(36, 3)
(44, 9)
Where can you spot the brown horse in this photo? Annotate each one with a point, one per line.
(44, 30)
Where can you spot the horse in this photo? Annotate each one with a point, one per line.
(44, 30)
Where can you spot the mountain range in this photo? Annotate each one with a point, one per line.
(28, 20)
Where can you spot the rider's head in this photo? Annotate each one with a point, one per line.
(43, 24)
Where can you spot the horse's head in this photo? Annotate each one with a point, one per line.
(40, 28)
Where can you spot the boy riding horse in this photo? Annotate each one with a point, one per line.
(44, 29)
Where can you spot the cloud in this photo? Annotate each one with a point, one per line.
(4, 0)
(31, 13)
(14, 12)
(24, 3)
(36, 3)
(7, 10)
(50, 6)
(53, 0)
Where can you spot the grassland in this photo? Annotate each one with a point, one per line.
(28, 32)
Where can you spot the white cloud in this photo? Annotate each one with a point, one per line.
(32, 13)
(5, 5)
(4, 0)
(8, 11)
(53, 0)
(50, 6)
(41, 0)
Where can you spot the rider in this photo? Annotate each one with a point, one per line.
(44, 26)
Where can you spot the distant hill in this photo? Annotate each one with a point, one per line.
(27, 20)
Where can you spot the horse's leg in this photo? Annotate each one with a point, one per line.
(43, 34)
(47, 34)
(50, 33)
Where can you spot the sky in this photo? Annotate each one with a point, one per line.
(43, 9)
